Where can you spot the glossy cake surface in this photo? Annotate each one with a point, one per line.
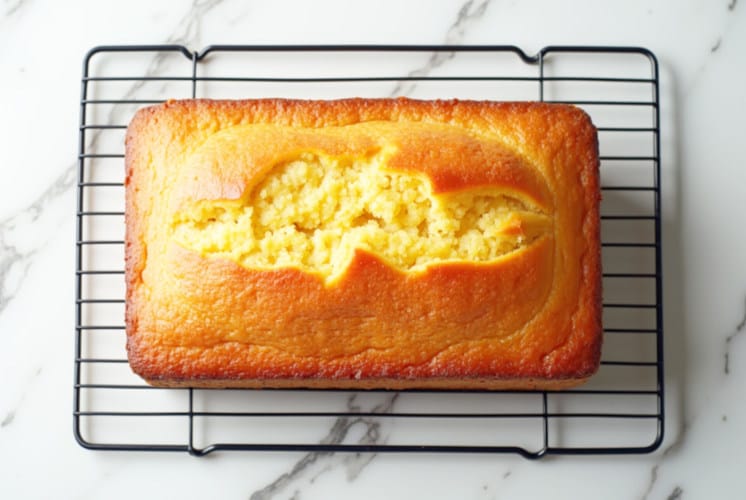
(362, 243)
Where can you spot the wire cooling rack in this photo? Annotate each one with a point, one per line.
(619, 411)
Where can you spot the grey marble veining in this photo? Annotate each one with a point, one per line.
(318, 462)
(676, 444)
(12, 6)
(8, 419)
(470, 12)
(187, 31)
(715, 46)
(740, 328)
(22, 235)
(10, 414)
(671, 448)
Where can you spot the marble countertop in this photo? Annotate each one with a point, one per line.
(702, 104)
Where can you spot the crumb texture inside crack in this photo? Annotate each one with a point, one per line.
(313, 211)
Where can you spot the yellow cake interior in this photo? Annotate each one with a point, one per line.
(311, 213)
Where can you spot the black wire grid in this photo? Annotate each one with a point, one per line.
(620, 411)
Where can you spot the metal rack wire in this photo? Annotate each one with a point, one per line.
(620, 411)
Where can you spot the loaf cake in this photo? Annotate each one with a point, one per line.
(363, 243)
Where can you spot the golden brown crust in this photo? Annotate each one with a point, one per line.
(532, 320)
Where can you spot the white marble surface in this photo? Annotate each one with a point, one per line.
(703, 91)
